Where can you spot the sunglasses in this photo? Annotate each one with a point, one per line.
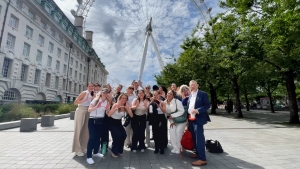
(130, 88)
(147, 87)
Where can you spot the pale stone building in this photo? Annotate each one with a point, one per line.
(43, 56)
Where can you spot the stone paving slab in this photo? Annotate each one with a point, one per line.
(247, 144)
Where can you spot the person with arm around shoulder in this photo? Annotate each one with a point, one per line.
(81, 132)
(175, 109)
(198, 104)
(96, 124)
(117, 131)
(128, 128)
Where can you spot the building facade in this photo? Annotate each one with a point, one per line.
(43, 56)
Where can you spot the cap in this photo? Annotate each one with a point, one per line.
(105, 90)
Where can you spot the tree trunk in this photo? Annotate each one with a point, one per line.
(213, 95)
(290, 87)
(247, 100)
(236, 90)
(271, 100)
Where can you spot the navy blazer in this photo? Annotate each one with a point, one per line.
(202, 105)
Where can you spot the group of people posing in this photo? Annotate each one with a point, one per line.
(127, 116)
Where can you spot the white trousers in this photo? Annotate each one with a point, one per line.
(176, 133)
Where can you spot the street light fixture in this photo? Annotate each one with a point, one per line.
(70, 48)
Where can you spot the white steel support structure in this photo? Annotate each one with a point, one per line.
(160, 61)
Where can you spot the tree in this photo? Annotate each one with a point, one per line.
(275, 39)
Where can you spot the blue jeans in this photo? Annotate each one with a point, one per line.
(118, 135)
(96, 127)
(198, 138)
(138, 124)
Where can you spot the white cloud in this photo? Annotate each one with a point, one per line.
(119, 32)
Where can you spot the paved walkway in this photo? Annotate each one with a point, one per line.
(254, 142)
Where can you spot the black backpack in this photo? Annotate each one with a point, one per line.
(213, 146)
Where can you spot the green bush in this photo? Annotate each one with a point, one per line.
(1, 113)
(73, 107)
(63, 109)
(6, 107)
(18, 112)
(39, 108)
(51, 107)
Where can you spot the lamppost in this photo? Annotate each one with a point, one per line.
(70, 46)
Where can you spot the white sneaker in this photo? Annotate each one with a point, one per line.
(80, 154)
(110, 146)
(134, 151)
(142, 150)
(98, 155)
(173, 151)
(85, 151)
(90, 161)
(177, 152)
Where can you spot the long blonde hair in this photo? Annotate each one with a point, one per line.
(119, 98)
(182, 87)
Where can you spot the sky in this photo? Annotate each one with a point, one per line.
(119, 33)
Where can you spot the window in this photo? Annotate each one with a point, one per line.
(5, 68)
(10, 42)
(75, 87)
(70, 72)
(66, 57)
(31, 15)
(0, 9)
(26, 49)
(71, 61)
(39, 55)
(70, 86)
(52, 32)
(29, 31)
(65, 69)
(75, 74)
(61, 40)
(64, 84)
(37, 76)
(41, 40)
(19, 4)
(56, 82)
(83, 78)
(51, 46)
(49, 61)
(58, 52)
(23, 72)
(57, 65)
(13, 21)
(43, 25)
(76, 64)
(80, 67)
(81, 57)
(79, 76)
(9, 95)
(84, 69)
(48, 79)
(79, 88)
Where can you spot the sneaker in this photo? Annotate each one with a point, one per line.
(90, 161)
(113, 155)
(177, 152)
(142, 150)
(85, 151)
(98, 155)
(109, 147)
(79, 154)
(134, 151)
(173, 151)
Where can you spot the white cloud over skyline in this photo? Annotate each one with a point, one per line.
(119, 33)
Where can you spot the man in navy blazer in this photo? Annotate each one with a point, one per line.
(198, 104)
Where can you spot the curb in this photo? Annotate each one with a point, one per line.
(14, 124)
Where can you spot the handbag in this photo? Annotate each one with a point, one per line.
(187, 140)
(213, 146)
(179, 119)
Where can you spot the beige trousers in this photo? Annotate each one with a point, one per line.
(81, 132)
(129, 133)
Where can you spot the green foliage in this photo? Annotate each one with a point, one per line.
(6, 107)
(63, 109)
(73, 107)
(20, 111)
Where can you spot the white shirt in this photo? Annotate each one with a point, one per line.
(100, 111)
(130, 99)
(141, 109)
(172, 107)
(192, 101)
(88, 97)
(159, 110)
(118, 115)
